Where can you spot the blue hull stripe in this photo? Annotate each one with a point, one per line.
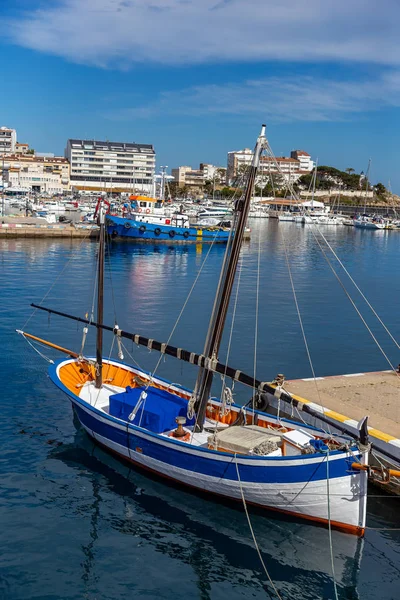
(214, 468)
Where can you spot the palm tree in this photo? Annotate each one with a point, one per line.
(349, 171)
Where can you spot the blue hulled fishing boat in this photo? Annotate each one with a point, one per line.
(212, 445)
(164, 229)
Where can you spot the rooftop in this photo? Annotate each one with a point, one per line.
(99, 145)
(33, 158)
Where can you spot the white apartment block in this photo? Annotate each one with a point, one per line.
(111, 166)
(306, 164)
(236, 160)
(37, 174)
(212, 172)
(291, 168)
(8, 140)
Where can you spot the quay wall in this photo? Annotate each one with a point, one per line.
(8, 230)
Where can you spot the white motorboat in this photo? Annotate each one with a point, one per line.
(286, 215)
(365, 222)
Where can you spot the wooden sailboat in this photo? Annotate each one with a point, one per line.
(211, 445)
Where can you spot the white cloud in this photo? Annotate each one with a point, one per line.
(120, 33)
(278, 99)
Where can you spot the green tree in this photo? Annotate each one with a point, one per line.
(380, 189)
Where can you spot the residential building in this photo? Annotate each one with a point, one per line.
(306, 164)
(212, 172)
(237, 160)
(185, 175)
(111, 166)
(38, 174)
(21, 148)
(8, 139)
(292, 168)
(179, 174)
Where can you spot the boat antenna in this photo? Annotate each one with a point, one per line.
(100, 293)
(225, 285)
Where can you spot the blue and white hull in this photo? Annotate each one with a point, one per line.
(135, 230)
(365, 224)
(320, 487)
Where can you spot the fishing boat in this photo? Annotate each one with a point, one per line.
(166, 229)
(212, 445)
(152, 220)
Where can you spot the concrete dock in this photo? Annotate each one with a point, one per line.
(376, 394)
(30, 227)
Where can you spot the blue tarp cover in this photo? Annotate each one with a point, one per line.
(157, 413)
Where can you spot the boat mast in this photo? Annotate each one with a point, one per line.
(225, 285)
(100, 296)
(366, 186)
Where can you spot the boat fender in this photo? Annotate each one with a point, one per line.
(157, 231)
(127, 225)
(139, 210)
(147, 211)
(142, 228)
(185, 234)
(172, 233)
(261, 401)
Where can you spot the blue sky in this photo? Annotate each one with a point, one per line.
(196, 78)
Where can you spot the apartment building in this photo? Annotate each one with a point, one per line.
(21, 148)
(299, 163)
(186, 175)
(8, 140)
(306, 164)
(36, 173)
(111, 166)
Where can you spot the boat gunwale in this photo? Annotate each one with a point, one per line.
(212, 454)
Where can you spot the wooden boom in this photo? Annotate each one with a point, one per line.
(50, 344)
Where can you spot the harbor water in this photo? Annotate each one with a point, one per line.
(77, 523)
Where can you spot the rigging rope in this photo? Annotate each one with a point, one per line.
(355, 306)
(358, 289)
(59, 275)
(302, 325)
(252, 531)
(257, 309)
(46, 358)
(329, 526)
(223, 377)
(294, 194)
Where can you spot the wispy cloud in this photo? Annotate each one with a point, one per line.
(124, 32)
(278, 99)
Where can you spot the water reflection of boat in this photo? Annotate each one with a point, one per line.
(294, 552)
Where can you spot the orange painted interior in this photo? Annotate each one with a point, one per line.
(75, 374)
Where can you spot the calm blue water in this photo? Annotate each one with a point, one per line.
(77, 524)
